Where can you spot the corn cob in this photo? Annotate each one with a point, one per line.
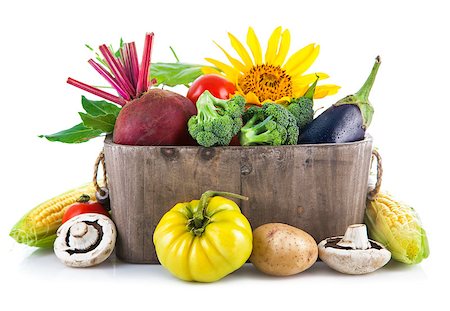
(38, 227)
(398, 227)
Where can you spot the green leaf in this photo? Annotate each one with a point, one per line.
(172, 74)
(117, 53)
(104, 122)
(99, 107)
(74, 135)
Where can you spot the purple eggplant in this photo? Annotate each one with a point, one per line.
(345, 121)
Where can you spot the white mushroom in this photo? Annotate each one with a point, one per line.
(85, 240)
(353, 253)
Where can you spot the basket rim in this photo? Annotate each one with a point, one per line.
(367, 139)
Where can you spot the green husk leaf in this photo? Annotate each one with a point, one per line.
(104, 123)
(407, 242)
(74, 135)
(30, 230)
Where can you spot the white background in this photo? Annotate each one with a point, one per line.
(42, 43)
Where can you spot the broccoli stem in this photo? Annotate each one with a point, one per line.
(250, 125)
(205, 107)
(256, 134)
(251, 138)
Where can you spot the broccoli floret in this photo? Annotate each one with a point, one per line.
(271, 124)
(302, 107)
(217, 120)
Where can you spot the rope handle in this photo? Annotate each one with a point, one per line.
(100, 159)
(373, 193)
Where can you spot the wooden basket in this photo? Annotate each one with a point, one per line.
(319, 188)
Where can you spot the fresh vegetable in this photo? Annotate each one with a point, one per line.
(162, 115)
(217, 85)
(159, 117)
(345, 121)
(217, 120)
(85, 240)
(271, 124)
(38, 226)
(83, 206)
(204, 240)
(398, 227)
(281, 250)
(302, 107)
(353, 253)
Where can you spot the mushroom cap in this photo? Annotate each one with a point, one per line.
(353, 261)
(85, 240)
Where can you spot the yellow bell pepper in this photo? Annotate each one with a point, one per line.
(204, 240)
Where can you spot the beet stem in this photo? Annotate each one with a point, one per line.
(128, 61)
(117, 70)
(134, 63)
(108, 77)
(143, 81)
(97, 92)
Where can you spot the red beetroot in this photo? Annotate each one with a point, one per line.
(158, 117)
(149, 116)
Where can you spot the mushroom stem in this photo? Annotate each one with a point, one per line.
(79, 229)
(355, 237)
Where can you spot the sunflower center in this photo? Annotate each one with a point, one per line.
(267, 82)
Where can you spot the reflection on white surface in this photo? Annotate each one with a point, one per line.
(38, 280)
(43, 264)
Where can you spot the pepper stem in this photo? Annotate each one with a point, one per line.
(84, 198)
(200, 220)
(363, 93)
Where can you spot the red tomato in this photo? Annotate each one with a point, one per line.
(83, 208)
(235, 141)
(217, 85)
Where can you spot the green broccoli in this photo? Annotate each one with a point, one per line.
(217, 120)
(302, 107)
(271, 124)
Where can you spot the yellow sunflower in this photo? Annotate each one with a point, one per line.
(273, 79)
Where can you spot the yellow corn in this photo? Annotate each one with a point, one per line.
(38, 227)
(398, 227)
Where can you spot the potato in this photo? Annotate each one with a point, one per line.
(281, 250)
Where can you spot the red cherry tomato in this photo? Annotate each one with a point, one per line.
(83, 207)
(217, 85)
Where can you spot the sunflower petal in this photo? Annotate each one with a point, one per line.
(301, 67)
(240, 49)
(255, 47)
(284, 48)
(210, 70)
(230, 72)
(272, 45)
(326, 90)
(310, 78)
(283, 100)
(298, 57)
(299, 90)
(236, 63)
(251, 98)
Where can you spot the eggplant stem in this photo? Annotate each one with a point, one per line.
(364, 92)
